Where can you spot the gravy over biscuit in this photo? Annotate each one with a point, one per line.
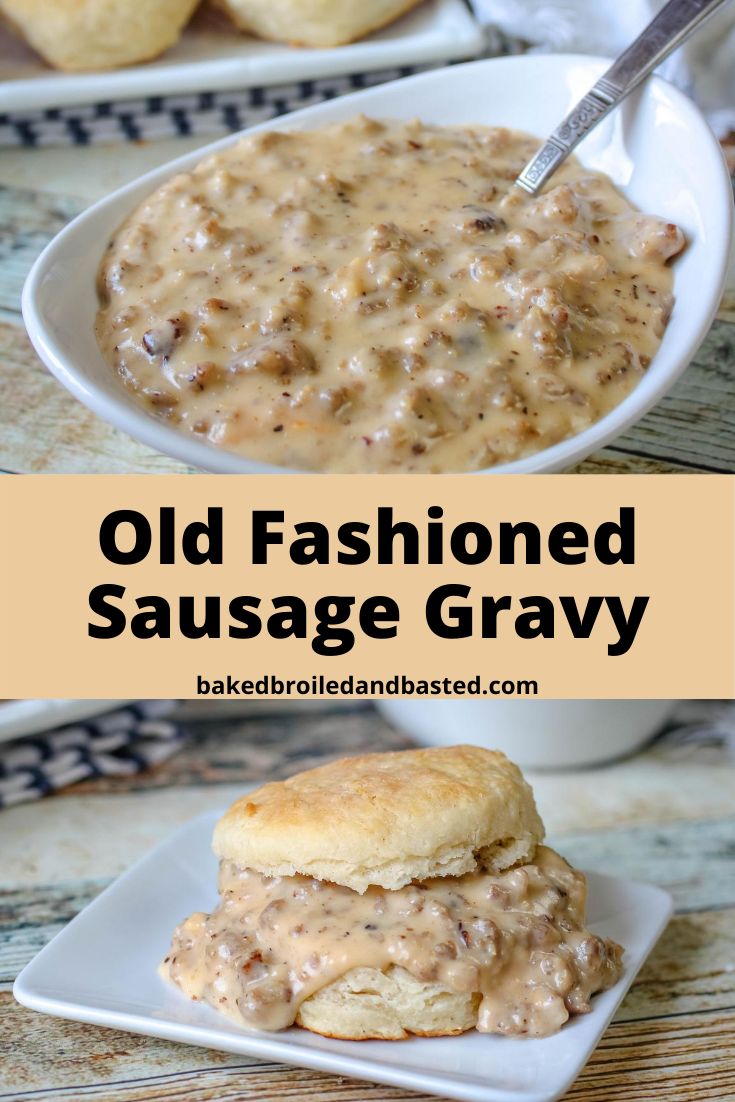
(516, 941)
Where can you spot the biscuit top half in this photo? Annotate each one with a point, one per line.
(387, 819)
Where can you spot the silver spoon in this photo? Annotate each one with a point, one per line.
(676, 21)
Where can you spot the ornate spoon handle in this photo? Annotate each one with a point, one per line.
(676, 21)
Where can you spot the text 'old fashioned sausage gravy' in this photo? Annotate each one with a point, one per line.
(379, 296)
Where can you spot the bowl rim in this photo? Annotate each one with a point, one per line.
(171, 442)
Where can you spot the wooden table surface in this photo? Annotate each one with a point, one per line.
(42, 428)
(666, 816)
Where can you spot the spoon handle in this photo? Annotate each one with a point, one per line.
(673, 24)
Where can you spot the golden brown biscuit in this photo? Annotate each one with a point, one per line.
(313, 22)
(387, 819)
(98, 34)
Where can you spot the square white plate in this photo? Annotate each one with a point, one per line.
(102, 969)
(212, 55)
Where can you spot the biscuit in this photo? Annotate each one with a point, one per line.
(387, 819)
(367, 1004)
(313, 22)
(98, 34)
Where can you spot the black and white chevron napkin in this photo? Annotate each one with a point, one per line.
(119, 743)
(206, 113)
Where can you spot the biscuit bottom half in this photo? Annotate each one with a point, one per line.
(503, 953)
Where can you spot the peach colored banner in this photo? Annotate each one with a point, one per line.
(557, 586)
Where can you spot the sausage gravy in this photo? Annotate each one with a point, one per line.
(516, 941)
(379, 296)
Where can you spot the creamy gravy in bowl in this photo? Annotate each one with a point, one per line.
(657, 150)
(379, 296)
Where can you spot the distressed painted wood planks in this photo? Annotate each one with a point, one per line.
(44, 429)
(690, 1059)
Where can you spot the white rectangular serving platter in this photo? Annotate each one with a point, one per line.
(212, 56)
(101, 969)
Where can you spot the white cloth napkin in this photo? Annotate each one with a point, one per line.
(704, 67)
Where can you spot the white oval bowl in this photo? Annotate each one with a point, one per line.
(657, 148)
(537, 734)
